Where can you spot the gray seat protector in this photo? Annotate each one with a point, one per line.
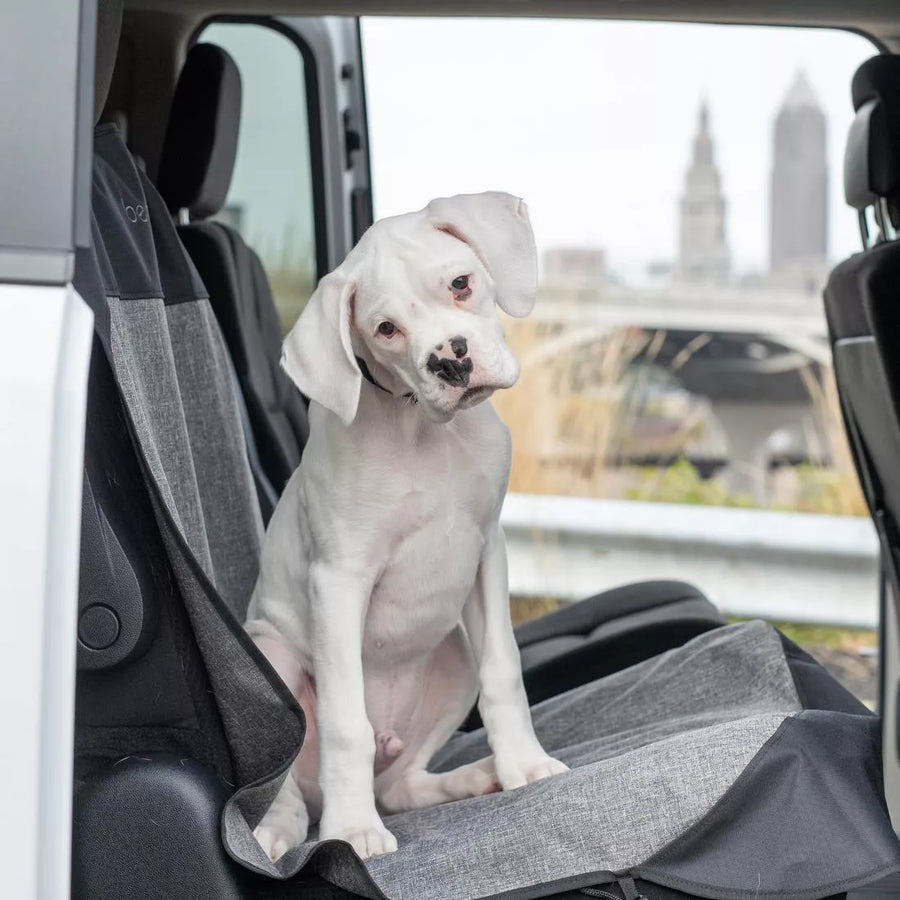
(651, 751)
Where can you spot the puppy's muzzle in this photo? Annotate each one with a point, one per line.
(454, 370)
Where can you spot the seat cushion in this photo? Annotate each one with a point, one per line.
(586, 616)
(701, 768)
(538, 652)
(607, 632)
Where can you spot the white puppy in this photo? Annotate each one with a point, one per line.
(382, 599)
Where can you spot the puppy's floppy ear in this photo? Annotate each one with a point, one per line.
(496, 226)
(317, 353)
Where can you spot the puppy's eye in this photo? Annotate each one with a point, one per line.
(460, 284)
(388, 329)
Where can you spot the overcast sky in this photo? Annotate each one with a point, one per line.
(591, 122)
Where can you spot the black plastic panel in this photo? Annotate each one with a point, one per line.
(148, 827)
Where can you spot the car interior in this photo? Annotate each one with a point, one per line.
(193, 430)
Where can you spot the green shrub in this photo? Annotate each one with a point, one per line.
(681, 483)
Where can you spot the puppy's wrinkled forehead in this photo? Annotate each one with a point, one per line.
(408, 254)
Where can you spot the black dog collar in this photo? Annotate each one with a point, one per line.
(367, 374)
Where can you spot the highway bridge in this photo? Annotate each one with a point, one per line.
(749, 351)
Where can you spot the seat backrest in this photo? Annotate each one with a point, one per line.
(194, 175)
(861, 301)
(171, 526)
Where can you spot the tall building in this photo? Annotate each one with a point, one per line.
(799, 198)
(702, 248)
(574, 267)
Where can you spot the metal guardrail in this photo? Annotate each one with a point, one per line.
(775, 565)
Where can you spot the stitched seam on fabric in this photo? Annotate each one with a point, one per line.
(154, 294)
(787, 665)
(802, 696)
(209, 716)
(317, 850)
(833, 887)
(700, 826)
(660, 876)
(203, 581)
(534, 891)
(179, 299)
(238, 632)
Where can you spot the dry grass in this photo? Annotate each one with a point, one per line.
(291, 288)
(291, 273)
(573, 411)
(569, 409)
(835, 637)
(834, 489)
(524, 609)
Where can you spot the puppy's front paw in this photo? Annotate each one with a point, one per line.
(276, 838)
(368, 839)
(514, 773)
(285, 823)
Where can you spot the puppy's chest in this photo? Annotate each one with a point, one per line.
(432, 542)
(438, 491)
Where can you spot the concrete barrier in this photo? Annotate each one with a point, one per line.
(777, 565)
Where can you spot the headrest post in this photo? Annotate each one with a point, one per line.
(881, 237)
(863, 228)
(887, 227)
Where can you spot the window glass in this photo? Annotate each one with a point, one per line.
(271, 200)
(685, 187)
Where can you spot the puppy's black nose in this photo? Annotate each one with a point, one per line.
(453, 371)
(459, 346)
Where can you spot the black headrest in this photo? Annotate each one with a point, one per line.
(109, 29)
(876, 78)
(197, 158)
(872, 158)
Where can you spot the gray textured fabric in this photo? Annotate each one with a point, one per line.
(721, 676)
(806, 819)
(171, 365)
(249, 704)
(604, 816)
(170, 362)
(167, 355)
(651, 749)
(145, 369)
(234, 525)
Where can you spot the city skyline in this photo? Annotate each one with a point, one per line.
(798, 209)
(798, 224)
(798, 199)
(703, 255)
(564, 114)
